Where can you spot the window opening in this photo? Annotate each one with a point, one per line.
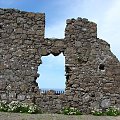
(52, 73)
(101, 66)
(0, 26)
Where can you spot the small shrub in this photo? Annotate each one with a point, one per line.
(16, 106)
(33, 109)
(71, 111)
(97, 112)
(112, 111)
(24, 108)
(3, 106)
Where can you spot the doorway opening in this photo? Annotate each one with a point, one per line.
(52, 73)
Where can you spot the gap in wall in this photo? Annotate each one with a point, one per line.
(52, 73)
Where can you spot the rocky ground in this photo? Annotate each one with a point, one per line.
(19, 116)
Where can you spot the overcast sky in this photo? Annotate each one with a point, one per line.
(106, 13)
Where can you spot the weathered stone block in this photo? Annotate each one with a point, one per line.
(105, 103)
(4, 96)
(21, 97)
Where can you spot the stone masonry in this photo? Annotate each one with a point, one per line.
(92, 70)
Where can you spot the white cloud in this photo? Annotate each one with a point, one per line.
(112, 15)
(55, 30)
(109, 27)
(70, 10)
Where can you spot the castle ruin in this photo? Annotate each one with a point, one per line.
(92, 70)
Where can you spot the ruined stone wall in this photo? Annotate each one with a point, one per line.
(92, 71)
(93, 78)
(21, 36)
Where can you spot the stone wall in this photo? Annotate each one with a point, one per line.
(93, 78)
(92, 70)
(21, 36)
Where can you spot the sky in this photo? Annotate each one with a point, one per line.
(106, 13)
